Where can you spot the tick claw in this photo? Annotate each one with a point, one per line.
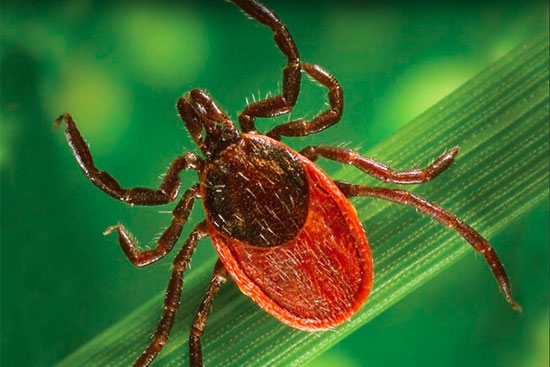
(110, 229)
(516, 306)
(63, 117)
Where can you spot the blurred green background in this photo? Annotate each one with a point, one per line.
(119, 70)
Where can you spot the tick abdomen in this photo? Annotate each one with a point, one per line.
(256, 191)
(286, 234)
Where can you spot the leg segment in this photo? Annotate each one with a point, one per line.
(285, 101)
(322, 121)
(172, 298)
(379, 170)
(219, 277)
(167, 191)
(166, 242)
(479, 243)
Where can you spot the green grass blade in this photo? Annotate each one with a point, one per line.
(500, 121)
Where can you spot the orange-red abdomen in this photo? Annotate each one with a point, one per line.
(317, 278)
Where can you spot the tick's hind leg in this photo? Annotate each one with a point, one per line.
(284, 102)
(323, 120)
(167, 191)
(379, 170)
(172, 298)
(444, 217)
(219, 277)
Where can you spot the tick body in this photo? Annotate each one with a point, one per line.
(270, 212)
(283, 230)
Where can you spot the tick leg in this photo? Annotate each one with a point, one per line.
(323, 120)
(219, 277)
(444, 217)
(379, 170)
(166, 242)
(172, 298)
(167, 191)
(285, 101)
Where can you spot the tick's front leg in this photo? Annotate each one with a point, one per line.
(323, 120)
(284, 102)
(167, 191)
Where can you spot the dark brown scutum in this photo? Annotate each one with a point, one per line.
(256, 192)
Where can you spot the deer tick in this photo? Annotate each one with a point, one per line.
(283, 230)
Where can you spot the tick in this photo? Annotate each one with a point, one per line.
(283, 230)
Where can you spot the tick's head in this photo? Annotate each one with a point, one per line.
(207, 124)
